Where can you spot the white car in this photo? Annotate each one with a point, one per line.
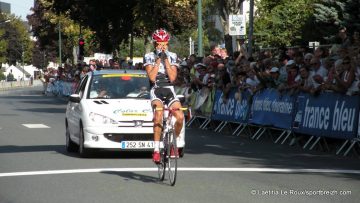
(111, 109)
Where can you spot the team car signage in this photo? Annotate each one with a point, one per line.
(132, 112)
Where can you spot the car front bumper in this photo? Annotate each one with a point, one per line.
(114, 137)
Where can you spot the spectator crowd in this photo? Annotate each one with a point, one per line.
(334, 68)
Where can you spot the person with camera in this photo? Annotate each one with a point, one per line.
(161, 67)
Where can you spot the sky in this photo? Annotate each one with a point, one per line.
(20, 8)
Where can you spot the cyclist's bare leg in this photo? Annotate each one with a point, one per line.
(157, 120)
(179, 115)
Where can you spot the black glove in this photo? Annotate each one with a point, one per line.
(162, 55)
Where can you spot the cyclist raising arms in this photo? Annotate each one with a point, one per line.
(161, 67)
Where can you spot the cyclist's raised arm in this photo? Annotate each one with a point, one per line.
(171, 66)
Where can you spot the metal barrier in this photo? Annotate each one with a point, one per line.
(14, 84)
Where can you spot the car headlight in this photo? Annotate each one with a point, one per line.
(97, 118)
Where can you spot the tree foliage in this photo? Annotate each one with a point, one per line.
(293, 22)
(113, 21)
(280, 23)
(2, 76)
(15, 44)
(330, 15)
(3, 46)
(45, 27)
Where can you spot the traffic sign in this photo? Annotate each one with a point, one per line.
(237, 25)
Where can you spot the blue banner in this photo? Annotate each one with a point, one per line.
(270, 108)
(328, 115)
(234, 109)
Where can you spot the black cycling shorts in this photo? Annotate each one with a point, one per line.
(164, 94)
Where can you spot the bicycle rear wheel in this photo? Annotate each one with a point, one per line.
(172, 160)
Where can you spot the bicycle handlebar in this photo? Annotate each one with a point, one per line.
(172, 109)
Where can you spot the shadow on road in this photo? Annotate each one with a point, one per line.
(44, 110)
(130, 176)
(265, 154)
(98, 154)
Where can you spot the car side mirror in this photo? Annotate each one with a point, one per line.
(75, 98)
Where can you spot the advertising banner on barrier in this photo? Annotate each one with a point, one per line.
(328, 115)
(269, 108)
(358, 133)
(234, 109)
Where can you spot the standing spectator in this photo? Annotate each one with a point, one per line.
(223, 80)
(332, 84)
(307, 59)
(321, 53)
(224, 53)
(277, 80)
(299, 59)
(84, 71)
(348, 76)
(292, 71)
(92, 64)
(318, 71)
(355, 41)
(197, 79)
(306, 82)
(116, 65)
(345, 40)
(215, 50)
(283, 60)
(252, 82)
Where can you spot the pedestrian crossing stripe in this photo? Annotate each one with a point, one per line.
(29, 125)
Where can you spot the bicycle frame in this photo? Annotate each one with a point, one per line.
(168, 138)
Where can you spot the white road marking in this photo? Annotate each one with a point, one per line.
(100, 170)
(35, 125)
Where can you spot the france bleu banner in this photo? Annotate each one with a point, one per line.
(328, 115)
(270, 108)
(234, 109)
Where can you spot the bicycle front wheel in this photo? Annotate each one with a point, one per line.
(172, 156)
(162, 165)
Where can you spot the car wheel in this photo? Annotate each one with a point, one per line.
(83, 151)
(70, 145)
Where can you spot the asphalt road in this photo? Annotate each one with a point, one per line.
(217, 167)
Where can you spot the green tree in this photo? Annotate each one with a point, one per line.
(2, 76)
(18, 45)
(10, 77)
(329, 16)
(3, 46)
(139, 48)
(113, 21)
(281, 23)
(45, 26)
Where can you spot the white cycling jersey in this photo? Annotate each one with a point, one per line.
(162, 77)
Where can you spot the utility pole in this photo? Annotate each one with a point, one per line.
(22, 61)
(131, 46)
(60, 62)
(251, 27)
(200, 30)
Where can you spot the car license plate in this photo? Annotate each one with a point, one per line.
(137, 144)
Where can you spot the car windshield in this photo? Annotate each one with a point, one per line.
(119, 86)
